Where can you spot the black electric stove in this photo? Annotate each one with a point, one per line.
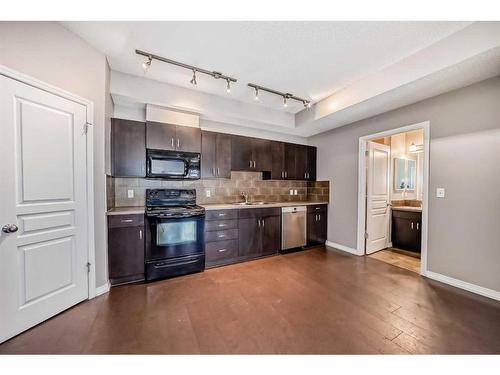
(174, 233)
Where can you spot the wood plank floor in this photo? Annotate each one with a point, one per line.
(316, 301)
(398, 258)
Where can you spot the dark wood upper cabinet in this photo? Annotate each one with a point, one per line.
(161, 136)
(216, 155)
(128, 148)
(241, 153)
(311, 163)
(261, 154)
(290, 156)
(278, 160)
(301, 162)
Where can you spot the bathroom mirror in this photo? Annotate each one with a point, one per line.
(405, 174)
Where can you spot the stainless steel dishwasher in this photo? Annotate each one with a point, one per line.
(293, 227)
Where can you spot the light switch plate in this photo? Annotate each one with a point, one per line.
(130, 193)
(440, 193)
(208, 193)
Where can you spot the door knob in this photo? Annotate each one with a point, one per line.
(9, 228)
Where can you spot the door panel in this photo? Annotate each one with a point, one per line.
(377, 199)
(250, 244)
(160, 136)
(300, 162)
(188, 139)
(223, 155)
(271, 235)
(241, 153)
(278, 160)
(311, 163)
(261, 154)
(128, 140)
(290, 153)
(208, 154)
(43, 264)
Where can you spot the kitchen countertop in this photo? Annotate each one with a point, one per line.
(217, 206)
(407, 208)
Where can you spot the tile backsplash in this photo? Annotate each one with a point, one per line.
(220, 190)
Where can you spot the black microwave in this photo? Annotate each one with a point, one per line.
(173, 165)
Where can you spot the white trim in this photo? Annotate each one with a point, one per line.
(490, 293)
(425, 194)
(102, 289)
(13, 74)
(343, 248)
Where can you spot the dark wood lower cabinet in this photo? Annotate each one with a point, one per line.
(406, 230)
(250, 238)
(317, 224)
(125, 248)
(271, 235)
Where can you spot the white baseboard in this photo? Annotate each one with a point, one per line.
(102, 289)
(490, 293)
(342, 247)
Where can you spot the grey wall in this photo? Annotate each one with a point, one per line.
(50, 53)
(464, 234)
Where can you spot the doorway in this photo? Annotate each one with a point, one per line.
(393, 195)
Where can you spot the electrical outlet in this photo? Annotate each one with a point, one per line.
(130, 193)
(291, 191)
(295, 192)
(208, 193)
(440, 193)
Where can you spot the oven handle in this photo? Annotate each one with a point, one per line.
(176, 264)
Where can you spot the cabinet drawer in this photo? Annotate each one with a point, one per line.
(216, 252)
(221, 235)
(407, 214)
(249, 213)
(221, 214)
(120, 221)
(214, 225)
(317, 208)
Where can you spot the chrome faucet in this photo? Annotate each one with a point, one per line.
(245, 195)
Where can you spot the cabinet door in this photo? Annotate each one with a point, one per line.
(311, 163)
(301, 162)
(261, 155)
(223, 155)
(241, 153)
(312, 224)
(125, 254)
(188, 139)
(403, 236)
(278, 160)
(160, 136)
(290, 152)
(322, 227)
(208, 158)
(128, 148)
(250, 243)
(271, 235)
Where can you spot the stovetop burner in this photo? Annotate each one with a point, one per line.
(172, 203)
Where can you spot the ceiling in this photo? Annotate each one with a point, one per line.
(312, 60)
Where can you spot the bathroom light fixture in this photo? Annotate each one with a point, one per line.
(147, 64)
(415, 148)
(285, 96)
(194, 69)
(193, 80)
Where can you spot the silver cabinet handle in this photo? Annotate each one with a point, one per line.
(258, 223)
(127, 220)
(286, 174)
(222, 250)
(263, 222)
(417, 225)
(213, 171)
(222, 215)
(222, 225)
(140, 234)
(319, 217)
(221, 235)
(178, 143)
(412, 225)
(173, 142)
(218, 171)
(250, 163)
(318, 208)
(254, 164)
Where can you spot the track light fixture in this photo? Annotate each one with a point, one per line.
(285, 96)
(147, 64)
(193, 80)
(194, 69)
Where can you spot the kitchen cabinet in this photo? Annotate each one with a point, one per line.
(277, 160)
(311, 163)
(128, 148)
(250, 154)
(406, 230)
(317, 224)
(301, 164)
(161, 136)
(290, 158)
(221, 237)
(216, 155)
(125, 248)
(259, 232)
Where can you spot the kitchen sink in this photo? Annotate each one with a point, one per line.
(249, 203)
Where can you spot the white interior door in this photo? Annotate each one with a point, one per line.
(43, 215)
(377, 197)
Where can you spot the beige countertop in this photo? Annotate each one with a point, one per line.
(218, 206)
(407, 208)
(227, 206)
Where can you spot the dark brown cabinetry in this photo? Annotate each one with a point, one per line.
(161, 136)
(216, 155)
(406, 230)
(125, 248)
(221, 237)
(317, 224)
(250, 154)
(128, 148)
(293, 162)
(259, 231)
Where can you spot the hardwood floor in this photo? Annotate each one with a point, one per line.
(398, 258)
(315, 301)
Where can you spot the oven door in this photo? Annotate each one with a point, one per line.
(168, 238)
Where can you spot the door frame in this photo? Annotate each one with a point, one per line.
(28, 80)
(425, 126)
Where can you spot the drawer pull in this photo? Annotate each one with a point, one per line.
(127, 221)
(222, 214)
(222, 225)
(318, 208)
(222, 250)
(221, 235)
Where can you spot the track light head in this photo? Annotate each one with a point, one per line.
(285, 103)
(307, 104)
(147, 64)
(193, 80)
(256, 93)
(228, 87)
